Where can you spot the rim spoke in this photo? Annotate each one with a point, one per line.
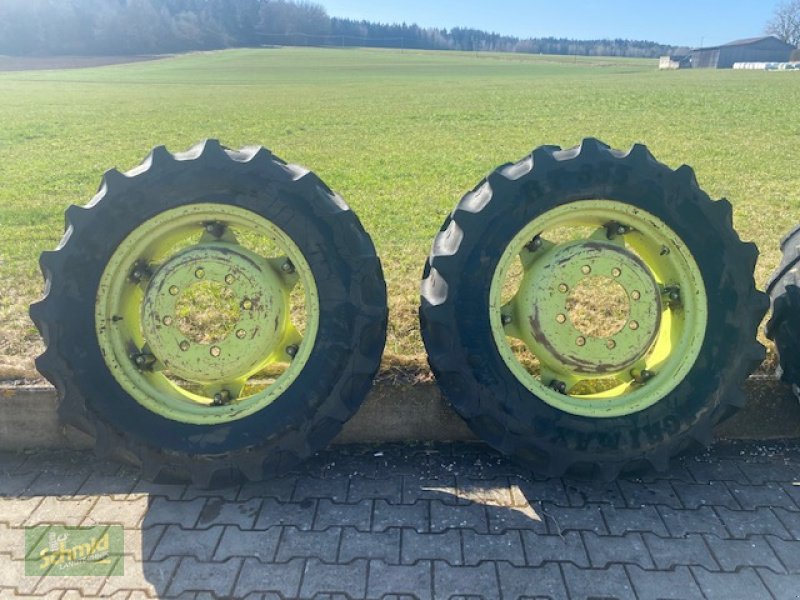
(611, 233)
(510, 325)
(215, 232)
(222, 393)
(286, 270)
(560, 382)
(535, 249)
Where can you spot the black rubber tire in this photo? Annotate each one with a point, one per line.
(784, 326)
(456, 329)
(326, 393)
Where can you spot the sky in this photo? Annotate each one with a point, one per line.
(690, 23)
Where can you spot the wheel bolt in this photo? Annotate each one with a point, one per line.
(558, 386)
(292, 350)
(563, 288)
(586, 269)
(616, 272)
(642, 376)
(287, 267)
(664, 251)
(215, 229)
(221, 398)
(534, 244)
(143, 361)
(561, 319)
(241, 334)
(184, 345)
(199, 273)
(229, 279)
(247, 305)
(506, 319)
(215, 351)
(634, 325)
(167, 321)
(581, 341)
(173, 290)
(636, 295)
(611, 344)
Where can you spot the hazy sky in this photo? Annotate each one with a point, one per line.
(679, 22)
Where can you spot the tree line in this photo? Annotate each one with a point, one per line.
(122, 27)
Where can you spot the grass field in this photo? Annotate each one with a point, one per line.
(401, 135)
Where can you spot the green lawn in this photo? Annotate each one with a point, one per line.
(401, 135)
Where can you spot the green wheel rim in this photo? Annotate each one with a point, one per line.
(649, 337)
(239, 359)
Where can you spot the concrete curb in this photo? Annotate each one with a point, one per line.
(391, 413)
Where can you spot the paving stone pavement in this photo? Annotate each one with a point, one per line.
(422, 522)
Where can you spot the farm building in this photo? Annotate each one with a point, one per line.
(761, 49)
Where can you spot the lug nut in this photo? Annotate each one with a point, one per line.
(184, 345)
(506, 319)
(229, 279)
(173, 290)
(199, 273)
(292, 350)
(287, 267)
(558, 386)
(247, 305)
(215, 229)
(143, 361)
(642, 376)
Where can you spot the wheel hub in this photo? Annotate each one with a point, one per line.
(252, 329)
(555, 303)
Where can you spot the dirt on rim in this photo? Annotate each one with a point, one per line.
(39, 63)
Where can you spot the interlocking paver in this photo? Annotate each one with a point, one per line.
(718, 470)
(299, 515)
(773, 470)
(742, 585)
(532, 582)
(752, 552)
(319, 578)
(780, 585)
(768, 495)
(445, 546)
(442, 489)
(585, 518)
(481, 580)
(218, 511)
(330, 514)
(472, 516)
(173, 512)
(332, 489)
(744, 523)
(641, 493)
(406, 580)
(698, 520)
(12, 574)
(61, 510)
(385, 515)
(170, 491)
(495, 492)
(127, 512)
(59, 482)
(383, 546)
(678, 584)
(151, 577)
(12, 542)
(526, 492)
(388, 490)
(296, 543)
(15, 511)
(283, 579)
(502, 518)
(713, 493)
(627, 549)
(279, 488)
(668, 553)
(788, 552)
(196, 576)
(790, 520)
(13, 484)
(262, 545)
(583, 492)
(199, 543)
(625, 520)
(504, 546)
(792, 488)
(612, 582)
(569, 547)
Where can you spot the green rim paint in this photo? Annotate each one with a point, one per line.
(198, 251)
(655, 334)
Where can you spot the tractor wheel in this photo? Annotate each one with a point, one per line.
(591, 311)
(213, 315)
(784, 325)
